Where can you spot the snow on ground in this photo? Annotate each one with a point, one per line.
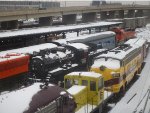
(135, 99)
(18, 101)
(144, 32)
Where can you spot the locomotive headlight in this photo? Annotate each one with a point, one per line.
(115, 74)
(102, 68)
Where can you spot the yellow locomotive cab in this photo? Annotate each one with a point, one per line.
(112, 73)
(87, 89)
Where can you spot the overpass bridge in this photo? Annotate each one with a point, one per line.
(10, 18)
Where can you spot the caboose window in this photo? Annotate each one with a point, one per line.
(84, 82)
(92, 85)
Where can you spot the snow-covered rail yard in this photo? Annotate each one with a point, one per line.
(135, 100)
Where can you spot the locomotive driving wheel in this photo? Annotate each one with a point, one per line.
(37, 68)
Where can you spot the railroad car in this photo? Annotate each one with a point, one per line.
(131, 23)
(142, 43)
(37, 98)
(123, 35)
(102, 40)
(13, 65)
(87, 88)
(49, 58)
(118, 66)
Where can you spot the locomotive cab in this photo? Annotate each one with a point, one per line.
(87, 90)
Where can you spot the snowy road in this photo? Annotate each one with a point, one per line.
(135, 100)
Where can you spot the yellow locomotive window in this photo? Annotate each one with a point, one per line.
(92, 85)
(100, 83)
(75, 82)
(68, 83)
(84, 82)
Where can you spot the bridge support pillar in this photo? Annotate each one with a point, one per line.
(103, 15)
(69, 19)
(89, 17)
(111, 15)
(131, 13)
(121, 14)
(45, 21)
(10, 25)
(147, 14)
(139, 13)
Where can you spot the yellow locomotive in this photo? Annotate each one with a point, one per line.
(119, 65)
(110, 74)
(87, 89)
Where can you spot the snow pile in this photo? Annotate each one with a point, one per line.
(144, 32)
(18, 101)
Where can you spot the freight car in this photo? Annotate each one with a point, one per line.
(37, 98)
(131, 23)
(140, 42)
(12, 67)
(119, 66)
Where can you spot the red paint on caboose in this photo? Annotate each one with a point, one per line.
(13, 64)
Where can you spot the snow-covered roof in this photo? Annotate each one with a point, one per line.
(30, 49)
(6, 58)
(110, 63)
(141, 17)
(87, 38)
(119, 54)
(136, 41)
(51, 29)
(112, 58)
(86, 74)
(129, 18)
(115, 20)
(75, 89)
(79, 46)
